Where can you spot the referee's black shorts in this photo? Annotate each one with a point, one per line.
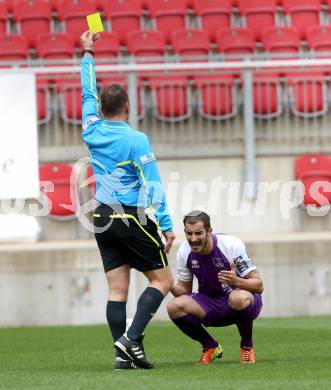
(128, 236)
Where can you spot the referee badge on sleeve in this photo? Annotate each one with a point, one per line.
(147, 158)
(89, 121)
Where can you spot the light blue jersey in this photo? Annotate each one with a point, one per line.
(123, 163)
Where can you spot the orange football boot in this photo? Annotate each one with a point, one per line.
(247, 356)
(210, 354)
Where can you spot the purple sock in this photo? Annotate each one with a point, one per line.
(244, 322)
(246, 333)
(192, 327)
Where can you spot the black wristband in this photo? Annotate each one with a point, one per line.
(87, 51)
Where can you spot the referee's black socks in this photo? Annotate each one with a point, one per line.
(147, 305)
(116, 318)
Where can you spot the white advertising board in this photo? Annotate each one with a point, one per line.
(19, 177)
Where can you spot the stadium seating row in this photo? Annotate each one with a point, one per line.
(59, 183)
(217, 96)
(32, 17)
(185, 43)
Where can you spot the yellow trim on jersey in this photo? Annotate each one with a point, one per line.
(114, 127)
(144, 183)
(142, 228)
(96, 215)
(123, 163)
(98, 105)
(92, 89)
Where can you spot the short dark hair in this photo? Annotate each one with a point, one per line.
(197, 216)
(113, 99)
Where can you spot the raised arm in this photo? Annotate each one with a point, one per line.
(90, 102)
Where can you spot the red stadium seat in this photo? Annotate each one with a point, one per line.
(235, 41)
(307, 90)
(73, 13)
(319, 38)
(171, 97)
(58, 182)
(54, 47)
(107, 47)
(216, 96)
(308, 94)
(70, 95)
(266, 96)
(213, 14)
(99, 4)
(146, 43)
(281, 40)
(105, 81)
(303, 14)
(191, 43)
(314, 171)
(33, 17)
(3, 18)
(13, 48)
(168, 15)
(319, 42)
(147, 46)
(258, 14)
(55, 5)
(43, 101)
(125, 16)
(144, 4)
(9, 4)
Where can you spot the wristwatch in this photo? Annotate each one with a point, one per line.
(87, 51)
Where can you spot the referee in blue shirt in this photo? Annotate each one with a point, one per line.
(127, 181)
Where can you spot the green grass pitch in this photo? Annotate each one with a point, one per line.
(291, 354)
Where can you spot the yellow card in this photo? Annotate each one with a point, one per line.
(94, 23)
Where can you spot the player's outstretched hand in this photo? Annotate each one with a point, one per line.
(87, 39)
(170, 238)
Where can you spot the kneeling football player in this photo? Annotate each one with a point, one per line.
(229, 291)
